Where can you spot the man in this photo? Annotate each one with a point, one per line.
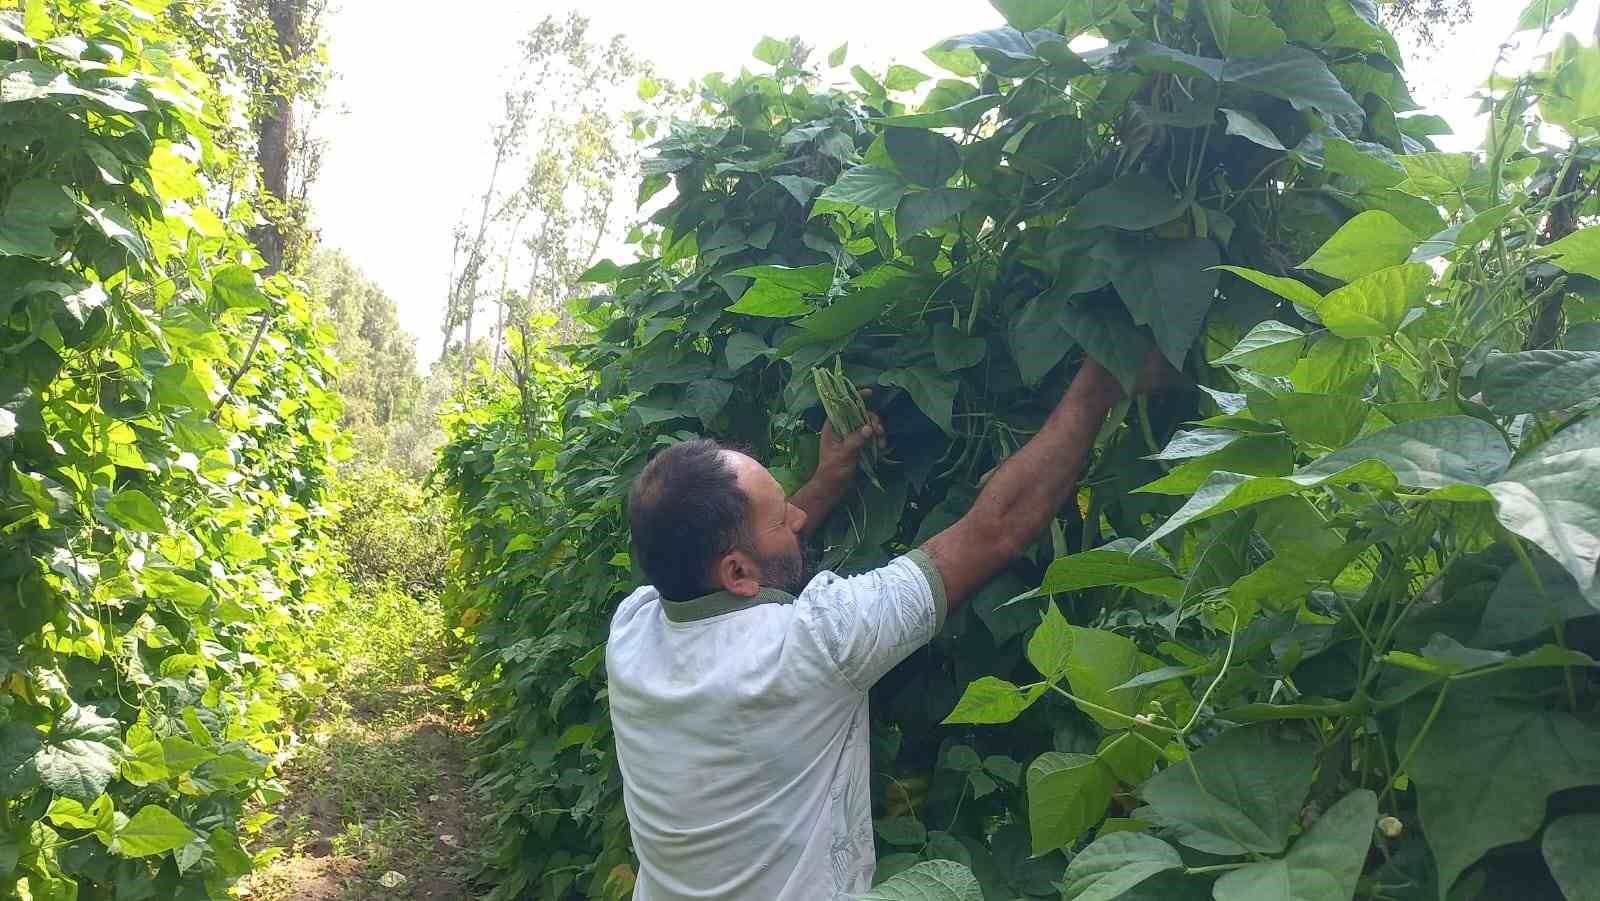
(738, 685)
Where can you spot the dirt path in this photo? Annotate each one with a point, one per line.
(378, 803)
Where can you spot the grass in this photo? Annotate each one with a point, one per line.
(375, 786)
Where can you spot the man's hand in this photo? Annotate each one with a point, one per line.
(838, 456)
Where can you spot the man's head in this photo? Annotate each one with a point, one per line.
(705, 519)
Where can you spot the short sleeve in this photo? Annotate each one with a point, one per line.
(867, 624)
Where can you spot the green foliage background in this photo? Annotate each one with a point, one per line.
(160, 543)
(1350, 576)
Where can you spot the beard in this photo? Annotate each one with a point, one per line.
(789, 572)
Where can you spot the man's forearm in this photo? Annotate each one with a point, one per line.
(1026, 490)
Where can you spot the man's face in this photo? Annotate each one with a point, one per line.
(775, 526)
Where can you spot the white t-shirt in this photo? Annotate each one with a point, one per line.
(741, 730)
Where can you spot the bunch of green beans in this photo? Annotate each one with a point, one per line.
(846, 411)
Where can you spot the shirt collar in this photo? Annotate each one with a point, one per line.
(720, 602)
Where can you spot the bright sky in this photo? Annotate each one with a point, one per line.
(417, 88)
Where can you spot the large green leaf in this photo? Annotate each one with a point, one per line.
(133, 510)
(153, 830)
(1115, 863)
(1369, 242)
(1324, 864)
(1067, 793)
(1519, 609)
(964, 114)
(1050, 645)
(921, 210)
(1244, 124)
(1270, 348)
(1426, 454)
(765, 298)
(989, 700)
(1484, 770)
(802, 279)
(1296, 75)
(1539, 14)
(867, 186)
(80, 756)
(1106, 331)
(35, 208)
(1375, 305)
(1578, 252)
(1039, 336)
(1101, 664)
(1287, 288)
(927, 158)
(1322, 420)
(1537, 381)
(933, 391)
(1117, 563)
(1169, 286)
(1026, 15)
(931, 880)
(1552, 498)
(1252, 783)
(1574, 101)
(1132, 202)
(954, 351)
(1569, 851)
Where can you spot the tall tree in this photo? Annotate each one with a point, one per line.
(1429, 21)
(560, 152)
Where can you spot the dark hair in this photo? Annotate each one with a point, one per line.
(685, 510)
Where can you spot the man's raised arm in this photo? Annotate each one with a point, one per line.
(1026, 490)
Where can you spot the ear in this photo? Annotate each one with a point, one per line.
(737, 573)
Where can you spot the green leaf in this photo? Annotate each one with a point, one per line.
(960, 61)
(772, 51)
(133, 510)
(183, 755)
(1578, 252)
(1187, 444)
(872, 187)
(1538, 381)
(1039, 337)
(707, 397)
(903, 78)
(989, 700)
(1287, 288)
(1116, 863)
(1067, 794)
(1324, 864)
(183, 592)
(1270, 348)
(1106, 331)
(1519, 609)
(905, 831)
(1568, 847)
(1484, 770)
(1133, 202)
(1219, 16)
(954, 351)
(1375, 305)
(1256, 455)
(921, 210)
(1026, 15)
(1552, 498)
(964, 114)
(934, 392)
(1539, 14)
(34, 209)
(153, 830)
(1113, 564)
(1374, 165)
(1252, 783)
(1322, 420)
(1369, 242)
(1169, 286)
(814, 279)
(1102, 662)
(1573, 101)
(771, 300)
(1050, 645)
(99, 817)
(836, 58)
(931, 880)
(1296, 75)
(145, 762)
(743, 348)
(80, 756)
(1425, 453)
(927, 158)
(1435, 175)
(1247, 126)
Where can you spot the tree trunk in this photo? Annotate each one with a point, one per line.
(274, 134)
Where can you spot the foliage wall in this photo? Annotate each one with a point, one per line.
(161, 536)
(1319, 627)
